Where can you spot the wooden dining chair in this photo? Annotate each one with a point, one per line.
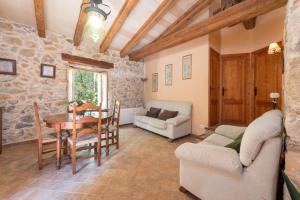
(86, 134)
(45, 140)
(114, 126)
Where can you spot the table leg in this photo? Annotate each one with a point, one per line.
(58, 146)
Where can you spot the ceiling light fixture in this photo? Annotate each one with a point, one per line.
(97, 13)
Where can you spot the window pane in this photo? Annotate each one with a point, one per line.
(88, 86)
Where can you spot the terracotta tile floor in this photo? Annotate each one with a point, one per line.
(143, 168)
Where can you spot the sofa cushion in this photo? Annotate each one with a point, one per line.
(236, 144)
(267, 126)
(153, 112)
(142, 119)
(157, 123)
(212, 156)
(167, 114)
(218, 140)
(183, 108)
(232, 132)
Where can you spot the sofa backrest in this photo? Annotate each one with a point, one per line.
(267, 126)
(183, 108)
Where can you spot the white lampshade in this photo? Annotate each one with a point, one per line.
(94, 27)
(274, 48)
(274, 95)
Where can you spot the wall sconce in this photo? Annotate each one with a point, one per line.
(274, 96)
(275, 49)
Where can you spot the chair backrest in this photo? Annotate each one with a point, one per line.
(116, 113)
(87, 123)
(38, 123)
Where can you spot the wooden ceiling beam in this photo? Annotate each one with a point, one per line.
(80, 23)
(235, 14)
(86, 61)
(248, 24)
(163, 8)
(119, 21)
(40, 17)
(185, 19)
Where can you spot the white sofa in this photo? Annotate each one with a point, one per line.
(213, 172)
(173, 128)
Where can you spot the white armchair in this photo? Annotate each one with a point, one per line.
(213, 172)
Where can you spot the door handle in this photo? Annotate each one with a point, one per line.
(223, 91)
(255, 91)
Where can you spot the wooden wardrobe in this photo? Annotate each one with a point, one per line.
(240, 86)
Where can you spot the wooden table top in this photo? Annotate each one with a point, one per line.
(65, 120)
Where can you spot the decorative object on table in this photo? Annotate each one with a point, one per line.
(8, 66)
(48, 71)
(187, 67)
(275, 49)
(168, 74)
(275, 97)
(97, 13)
(73, 103)
(86, 138)
(154, 82)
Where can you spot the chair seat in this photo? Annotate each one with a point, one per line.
(51, 137)
(84, 139)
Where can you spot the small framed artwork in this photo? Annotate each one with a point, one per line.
(8, 66)
(48, 71)
(187, 67)
(154, 82)
(168, 74)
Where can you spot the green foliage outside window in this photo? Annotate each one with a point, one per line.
(85, 88)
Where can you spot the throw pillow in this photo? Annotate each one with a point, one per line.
(153, 112)
(166, 114)
(236, 144)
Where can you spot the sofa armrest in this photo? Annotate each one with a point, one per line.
(213, 156)
(140, 112)
(177, 120)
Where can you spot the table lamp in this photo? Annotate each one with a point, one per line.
(274, 96)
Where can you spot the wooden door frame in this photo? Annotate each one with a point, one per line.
(246, 83)
(211, 50)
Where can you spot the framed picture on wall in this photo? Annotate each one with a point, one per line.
(154, 82)
(187, 67)
(8, 66)
(168, 74)
(48, 71)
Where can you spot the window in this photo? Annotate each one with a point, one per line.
(87, 86)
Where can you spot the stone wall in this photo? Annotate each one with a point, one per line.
(17, 93)
(292, 91)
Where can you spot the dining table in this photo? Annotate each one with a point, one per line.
(64, 121)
